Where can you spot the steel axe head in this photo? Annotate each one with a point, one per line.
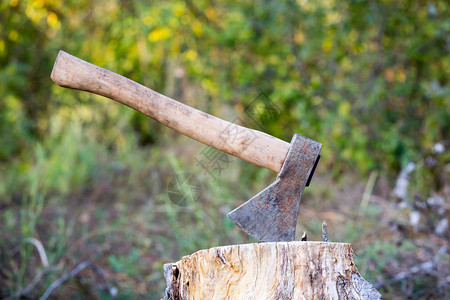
(271, 215)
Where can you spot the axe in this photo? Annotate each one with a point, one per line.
(271, 215)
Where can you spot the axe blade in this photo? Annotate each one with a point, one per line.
(271, 215)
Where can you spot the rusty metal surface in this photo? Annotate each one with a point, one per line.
(271, 215)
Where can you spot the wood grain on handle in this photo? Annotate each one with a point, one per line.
(251, 145)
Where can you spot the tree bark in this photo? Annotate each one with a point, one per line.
(283, 270)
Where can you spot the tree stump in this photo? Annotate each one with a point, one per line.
(283, 270)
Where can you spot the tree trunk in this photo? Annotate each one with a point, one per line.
(283, 270)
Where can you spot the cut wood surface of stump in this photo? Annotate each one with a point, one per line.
(283, 270)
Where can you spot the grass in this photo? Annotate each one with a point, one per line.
(86, 196)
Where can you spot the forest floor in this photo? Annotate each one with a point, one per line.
(130, 219)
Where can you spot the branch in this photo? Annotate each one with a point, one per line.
(324, 232)
(47, 269)
(80, 267)
(40, 248)
(427, 267)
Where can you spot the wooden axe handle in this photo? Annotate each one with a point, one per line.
(251, 145)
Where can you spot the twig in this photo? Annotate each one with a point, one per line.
(304, 237)
(324, 232)
(368, 192)
(427, 267)
(71, 274)
(40, 248)
(47, 268)
(31, 285)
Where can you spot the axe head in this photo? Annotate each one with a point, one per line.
(271, 215)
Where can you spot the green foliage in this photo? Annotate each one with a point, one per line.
(125, 263)
(350, 74)
(374, 259)
(369, 79)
